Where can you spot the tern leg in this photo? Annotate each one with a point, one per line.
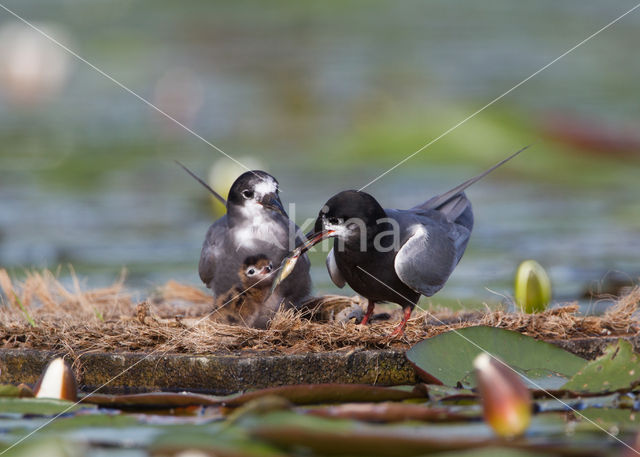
(370, 305)
(403, 323)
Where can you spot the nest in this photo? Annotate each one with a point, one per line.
(40, 313)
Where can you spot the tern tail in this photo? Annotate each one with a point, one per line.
(206, 186)
(441, 200)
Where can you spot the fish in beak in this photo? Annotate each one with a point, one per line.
(289, 262)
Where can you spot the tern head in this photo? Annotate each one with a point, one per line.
(348, 216)
(348, 213)
(254, 192)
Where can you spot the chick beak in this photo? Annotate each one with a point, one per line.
(272, 201)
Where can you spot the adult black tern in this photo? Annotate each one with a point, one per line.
(392, 255)
(256, 223)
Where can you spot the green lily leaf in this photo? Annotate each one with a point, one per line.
(307, 394)
(610, 419)
(9, 390)
(618, 368)
(346, 437)
(301, 394)
(37, 406)
(231, 441)
(448, 358)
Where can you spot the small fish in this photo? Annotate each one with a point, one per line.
(286, 267)
(287, 264)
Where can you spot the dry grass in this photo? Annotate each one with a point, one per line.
(174, 319)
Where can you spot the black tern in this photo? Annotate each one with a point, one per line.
(392, 255)
(256, 223)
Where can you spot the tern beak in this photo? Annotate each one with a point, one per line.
(313, 238)
(272, 201)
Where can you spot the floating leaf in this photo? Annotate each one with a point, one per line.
(438, 392)
(448, 358)
(330, 436)
(389, 412)
(618, 368)
(153, 399)
(307, 394)
(493, 452)
(9, 390)
(36, 406)
(47, 447)
(231, 442)
(302, 394)
(610, 419)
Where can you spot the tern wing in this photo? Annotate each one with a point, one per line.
(334, 271)
(212, 250)
(431, 249)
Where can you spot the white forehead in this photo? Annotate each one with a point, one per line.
(265, 186)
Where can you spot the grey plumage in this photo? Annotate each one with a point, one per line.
(255, 224)
(429, 240)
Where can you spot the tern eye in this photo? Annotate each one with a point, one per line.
(251, 271)
(335, 220)
(268, 268)
(247, 194)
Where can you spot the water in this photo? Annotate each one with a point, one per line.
(86, 175)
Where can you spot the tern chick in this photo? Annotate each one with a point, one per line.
(243, 304)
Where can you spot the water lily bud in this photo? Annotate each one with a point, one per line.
(58, 382)
(532, 287)
(505, 399)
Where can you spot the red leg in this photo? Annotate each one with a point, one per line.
(400, 328)
(370, 305)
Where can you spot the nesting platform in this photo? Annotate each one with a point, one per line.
(167, 342)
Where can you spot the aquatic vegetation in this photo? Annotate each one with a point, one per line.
(345, 419)
(506, 401)
(57, 382)
(532, 287)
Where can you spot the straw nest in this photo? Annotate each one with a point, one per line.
(40, 313)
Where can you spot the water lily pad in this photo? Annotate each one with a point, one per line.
(302, 394)
(157, 400)
(37, 406)
(609, 419)
(230, 441)
(307, 394)
(618, 368)
(345, 437)
(392, 412)
(9, 390)
(447, 358)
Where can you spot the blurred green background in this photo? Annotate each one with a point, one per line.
(325, 96)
